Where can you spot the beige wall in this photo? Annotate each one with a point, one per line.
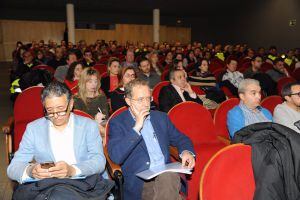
(12, 31)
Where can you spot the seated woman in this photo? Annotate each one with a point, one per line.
(111, 82)
(232, 78)
(73, 76)
(249, 110)
(117, 96)
(168, 60)
(207, 82)
(155, 65)
(90, 99)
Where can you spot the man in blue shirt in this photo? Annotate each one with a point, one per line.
(139, 139)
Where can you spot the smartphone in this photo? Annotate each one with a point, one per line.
(47, 165)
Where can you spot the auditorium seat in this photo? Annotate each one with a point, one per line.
(156, 90)
(82, 113)
(101, 68)
(227, 92)
(45, 67)
(165, 74)
(220, 117)
(266, 66)
(283, 81)
(296, 74)
(28, 107)
(271, 102)
(195, 121)
(228, 175)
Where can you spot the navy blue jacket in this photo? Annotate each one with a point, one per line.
(128, 149)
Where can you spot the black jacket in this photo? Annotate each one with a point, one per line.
(275, 160)
(169, 97)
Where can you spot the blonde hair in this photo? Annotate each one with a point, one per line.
(85, 76)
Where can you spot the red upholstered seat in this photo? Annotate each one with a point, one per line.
(296, 74)
(116, 113)
(227, 92)
(220, 117)
(271, 102)
(266, 66)
(164, 75)
(28, 107)
(283, 81)
(82, 113)
(228, 175)
(101, 68)
(44, 67)
(196, 122)
(197, 90)
(156, 90)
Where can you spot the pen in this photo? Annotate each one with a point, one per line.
(100, 110)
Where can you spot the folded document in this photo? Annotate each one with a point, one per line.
(171, 167)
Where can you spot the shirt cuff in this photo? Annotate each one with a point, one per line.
(194, 95)
(180, 155)
(138, 132)
(77, 170)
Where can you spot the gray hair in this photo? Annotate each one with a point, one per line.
(55, 89)
(244, 83)
(172, 73)
(136, 82)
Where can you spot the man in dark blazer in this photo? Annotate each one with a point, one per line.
(178, 91)
(139, 139)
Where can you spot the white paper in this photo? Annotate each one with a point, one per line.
(171, 167)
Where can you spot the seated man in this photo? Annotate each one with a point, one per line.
(139, 139)
(147, 74)
(249, 110)
(255, 67)
(232, 78)
(71, 142)
(288, 113)
(279, 71)
(178, 91)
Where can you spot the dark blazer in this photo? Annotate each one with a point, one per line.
(169, 97)
(105, 85)
(127, 148)
(117, 99)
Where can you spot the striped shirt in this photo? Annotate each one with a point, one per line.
(253, 116)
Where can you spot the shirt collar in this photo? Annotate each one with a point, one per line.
(244, 107)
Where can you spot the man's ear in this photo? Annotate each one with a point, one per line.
(287, 98)
(242, 96)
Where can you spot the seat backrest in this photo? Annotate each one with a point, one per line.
(296, 74)
(101, 68)
(266, 66)
(197, 90)
(228, 175)
(44, 67)
(156, 90)
(82, 113)
(28, 107)
(282, 82)
(271, 102)
(195, 121)
(116, 113)
(220, 117)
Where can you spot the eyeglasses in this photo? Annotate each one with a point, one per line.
(298, 93)
(143, 99)
(59, 113)
(129, 75)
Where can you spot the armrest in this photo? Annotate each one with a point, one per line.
(174, 153)
(8, 125)
(111, 166)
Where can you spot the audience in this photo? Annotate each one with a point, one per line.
(255, 67)
(178, 91)
(249, 110)
(73, 75)
(147, 74)
(111, 82)
(25, 66)
(232, 78)
(61, 71)
(58, 60)
(129, 62)
(88, 58)
(207, 82)
(71, 142)
(117, 96)
(139, 139)
(288, 113)
(155, 65)
(279, 71)
(90, 99)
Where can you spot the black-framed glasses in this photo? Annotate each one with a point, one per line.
(298, 93)
(59, 113)
(143, 99)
